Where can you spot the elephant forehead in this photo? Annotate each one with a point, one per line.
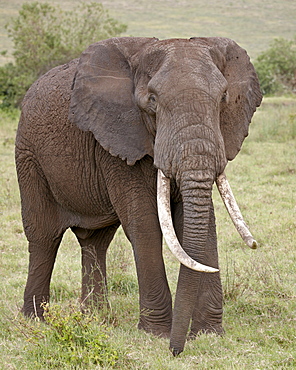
(184, 48)
(183, 66)
(177, 56)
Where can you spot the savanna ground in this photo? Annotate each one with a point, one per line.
(259, 286)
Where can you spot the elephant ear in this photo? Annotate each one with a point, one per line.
(102, 99)
(244, 93)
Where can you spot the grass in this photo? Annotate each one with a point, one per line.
(253, 23)
(259, 286)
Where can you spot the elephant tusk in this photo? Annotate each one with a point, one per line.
(234, 211)
(166, 224)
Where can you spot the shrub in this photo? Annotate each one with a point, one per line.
(45, 36)
(276, 67)
(70, 339)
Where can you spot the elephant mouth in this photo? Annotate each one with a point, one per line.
(166, 223)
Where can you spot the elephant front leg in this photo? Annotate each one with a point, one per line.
(155, 303)
(132, 191)
(207, 315)
(154, 293)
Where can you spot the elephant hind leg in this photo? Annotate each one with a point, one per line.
(44, 228)
(94, 245)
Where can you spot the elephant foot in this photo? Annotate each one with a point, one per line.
(157, 330)
(34, 308)
(207, 329)
(34, 315)
(156, 322)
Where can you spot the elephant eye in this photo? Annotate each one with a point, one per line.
(152, 98)
(152, 104)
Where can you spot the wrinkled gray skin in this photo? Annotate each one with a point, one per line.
(91, 137)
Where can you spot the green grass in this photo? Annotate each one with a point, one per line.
(259, 286)
(252, 23)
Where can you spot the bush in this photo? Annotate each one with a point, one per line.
(276, 67)
(45, 36)
(70, 339)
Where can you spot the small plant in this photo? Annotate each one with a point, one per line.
(70, 339)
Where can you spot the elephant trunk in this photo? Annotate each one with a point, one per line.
(196, 190)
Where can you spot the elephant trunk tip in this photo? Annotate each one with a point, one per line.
(176, 351)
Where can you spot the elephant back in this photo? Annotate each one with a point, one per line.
(52, 89)
(46, 103)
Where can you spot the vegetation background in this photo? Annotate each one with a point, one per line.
(259, 286)
(251, 23)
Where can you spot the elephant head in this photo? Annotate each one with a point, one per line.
(187, 104)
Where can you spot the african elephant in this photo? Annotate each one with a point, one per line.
(92, 136)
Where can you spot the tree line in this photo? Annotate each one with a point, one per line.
(45, 36)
